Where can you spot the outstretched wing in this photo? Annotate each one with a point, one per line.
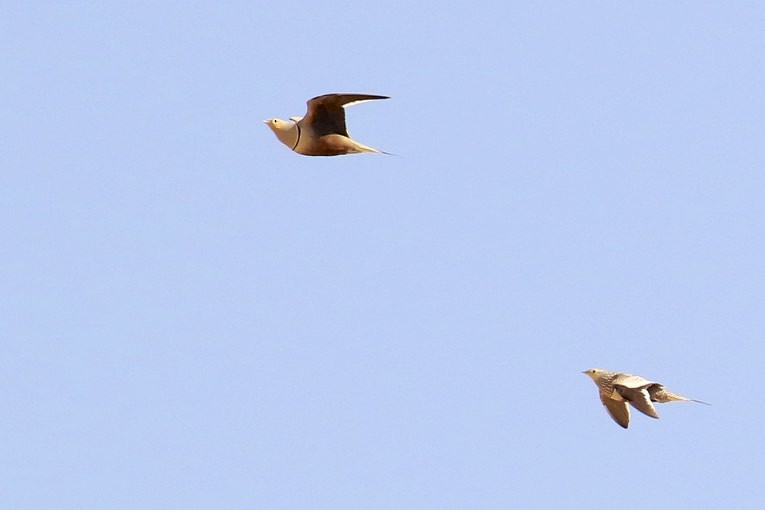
(617, 409)
(326, 114)
(639, 398)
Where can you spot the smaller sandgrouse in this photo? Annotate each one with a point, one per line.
(617, 390)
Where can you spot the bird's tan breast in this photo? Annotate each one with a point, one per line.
(327, 145)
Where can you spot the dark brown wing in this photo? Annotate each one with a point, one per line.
(326, 114)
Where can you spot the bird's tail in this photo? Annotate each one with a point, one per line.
(668, 396)
(360, 147)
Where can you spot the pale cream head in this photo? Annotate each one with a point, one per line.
(594, 373)
(285, 131)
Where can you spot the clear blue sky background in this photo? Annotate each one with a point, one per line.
(194, 317)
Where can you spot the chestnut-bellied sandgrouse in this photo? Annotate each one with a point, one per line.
(322, 131)
(617, 390)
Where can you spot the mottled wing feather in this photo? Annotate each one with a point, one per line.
(326, 114)
(617, 410)
(631, 381)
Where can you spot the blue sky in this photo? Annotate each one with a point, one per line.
(195, 317)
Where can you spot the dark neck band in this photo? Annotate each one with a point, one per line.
(298, 138)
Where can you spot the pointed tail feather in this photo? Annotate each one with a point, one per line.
(664, 396)
(360, 147)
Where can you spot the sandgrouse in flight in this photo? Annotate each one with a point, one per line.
(322, 131)
(617, 389)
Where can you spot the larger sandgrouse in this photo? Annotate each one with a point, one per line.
(322, 131)
(617, 389)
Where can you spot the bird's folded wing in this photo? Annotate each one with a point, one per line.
(618, 410)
